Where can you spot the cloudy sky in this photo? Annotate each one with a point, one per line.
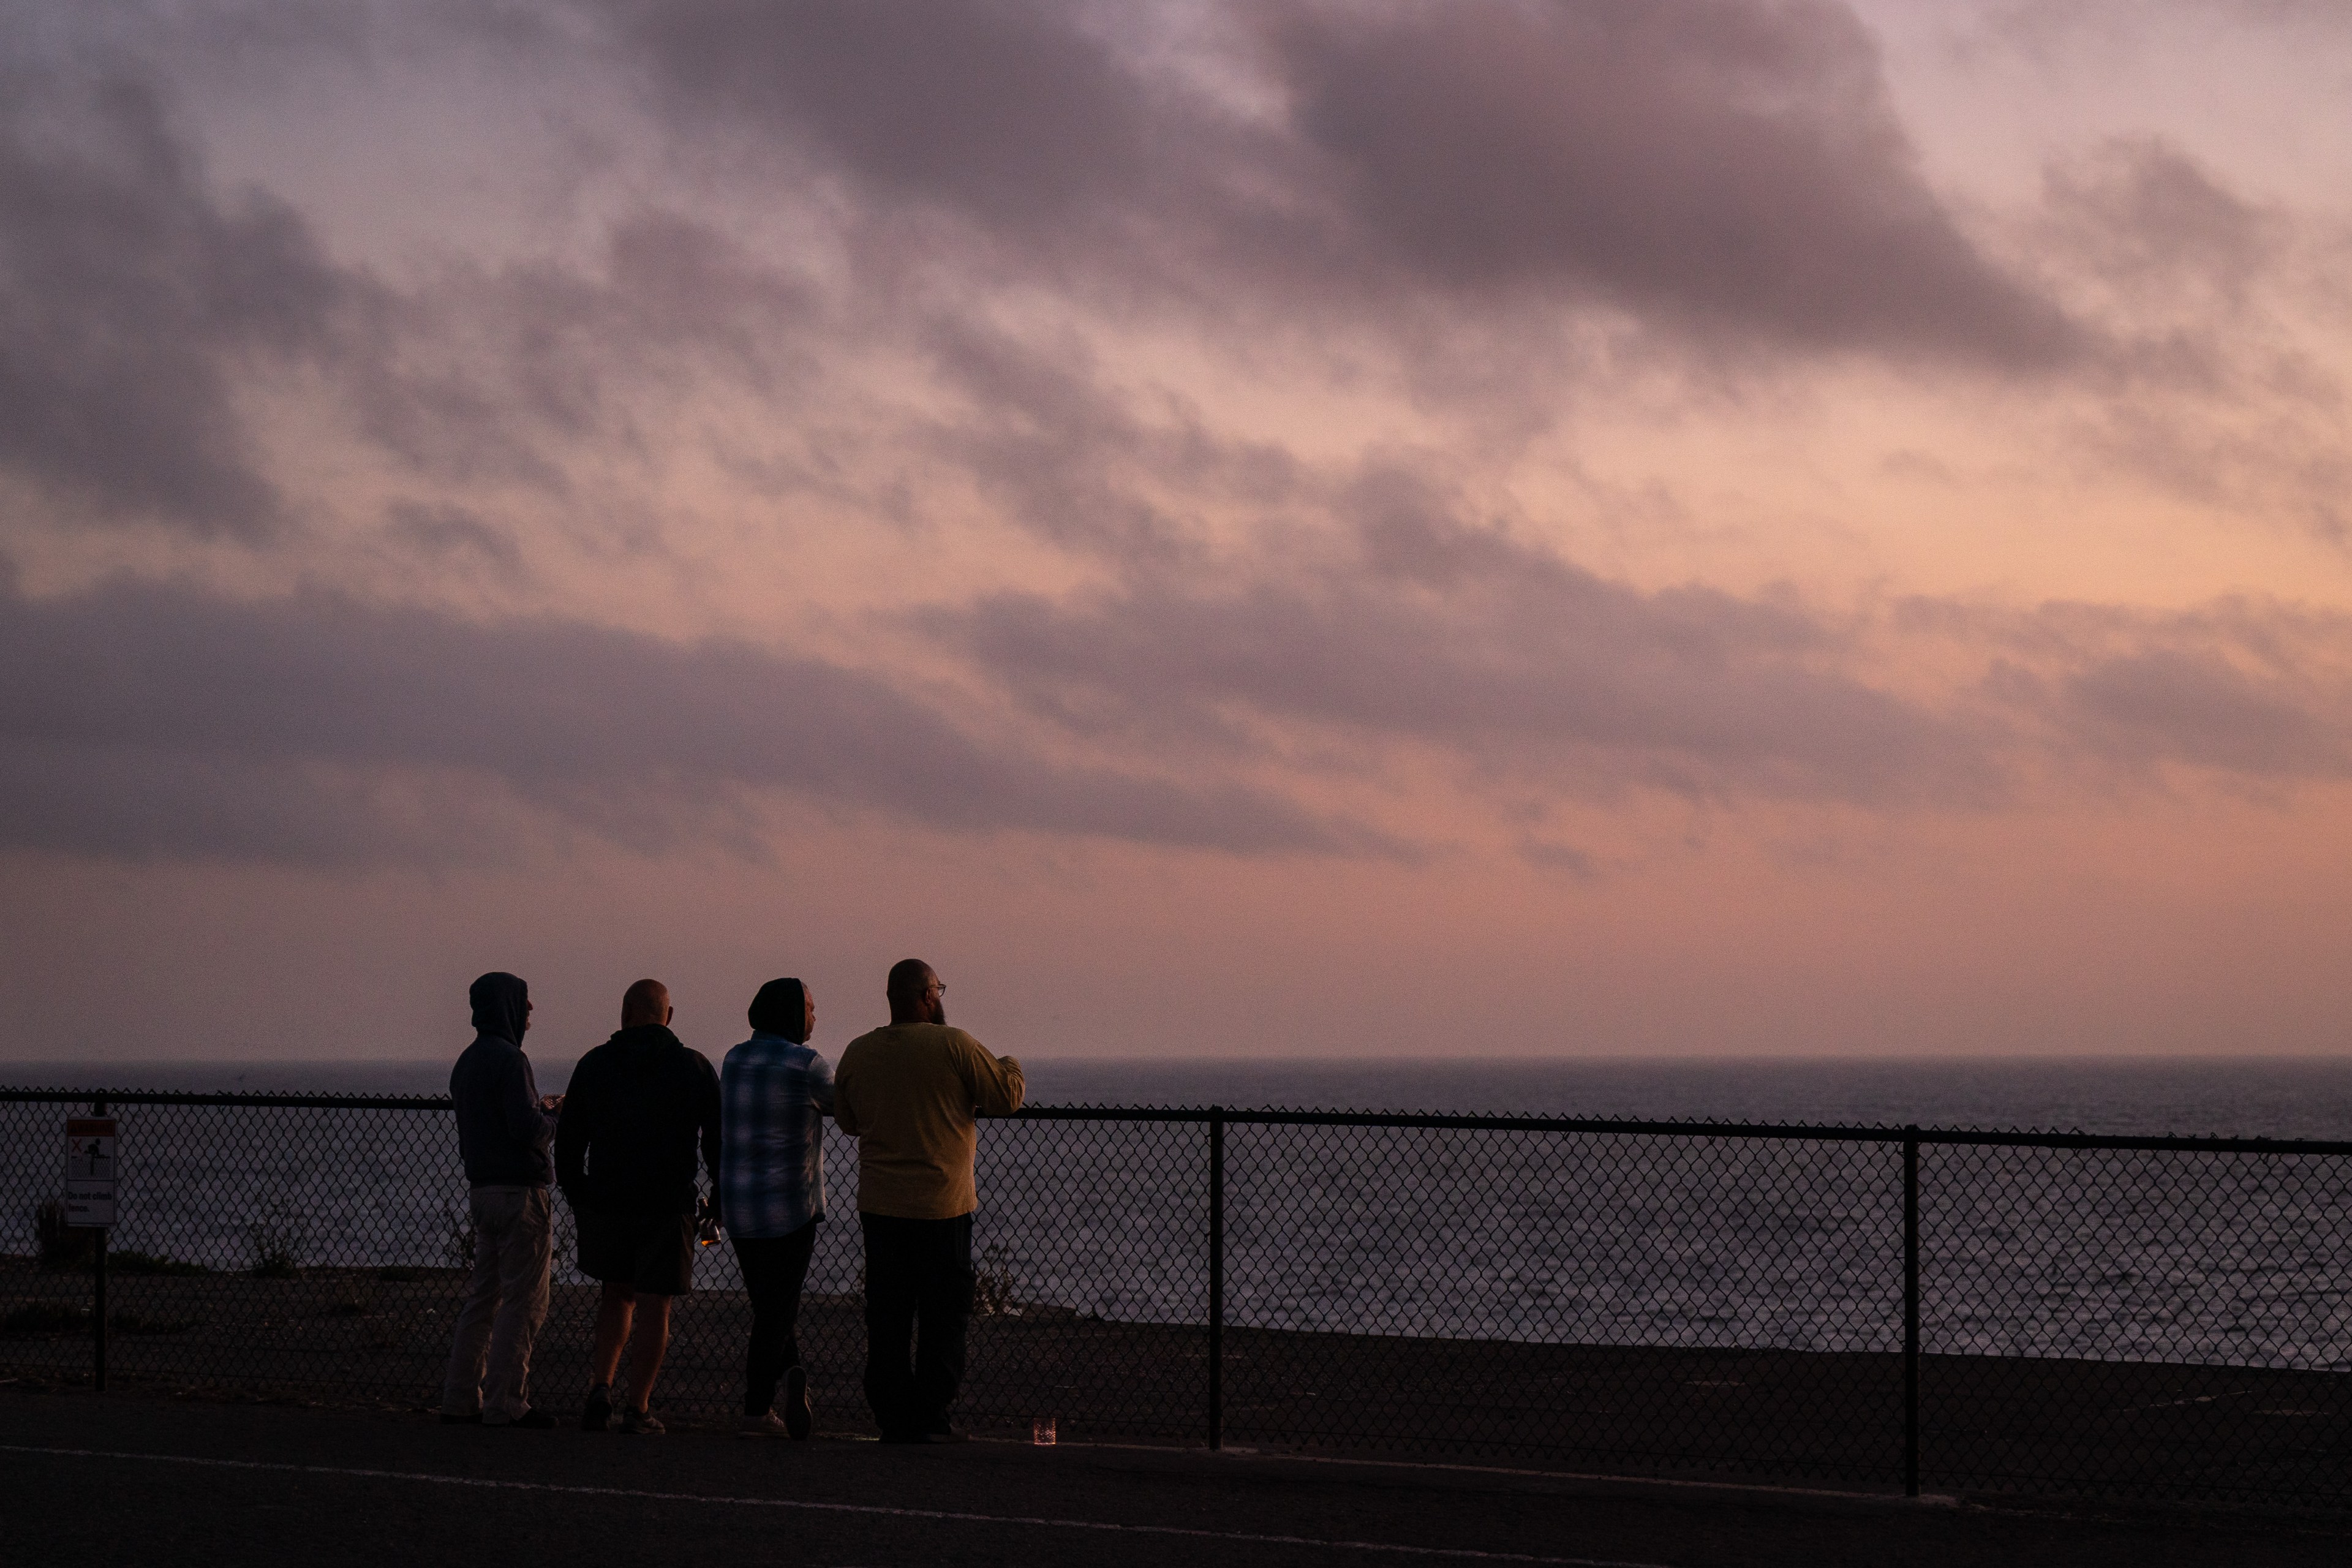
(1287, 528)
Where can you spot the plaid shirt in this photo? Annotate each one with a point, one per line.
(774, 1098)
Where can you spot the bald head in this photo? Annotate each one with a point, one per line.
(915, 995)
(646, 1002)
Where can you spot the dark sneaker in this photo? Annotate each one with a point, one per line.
(532, 1420)
(764, 1424)
(939, 1431)
(798, 1417)
(640, 1423)
(597, 1411)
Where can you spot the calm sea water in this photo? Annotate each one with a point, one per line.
(1556, 1237)
(2264, 1096)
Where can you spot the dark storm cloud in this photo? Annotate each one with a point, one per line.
(159, 720)
(1722, 162)
(1074, 462)
(2255, 691)
(998, 107)
(1720, 167)
(130, 304)
(1708, 165)
(504, 373)
(2194, 707)
(2141, 211)
(1525, 668)
(453, 533)
(1496, 653)
(142, 309)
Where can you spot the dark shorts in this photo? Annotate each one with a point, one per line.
(649, 1252)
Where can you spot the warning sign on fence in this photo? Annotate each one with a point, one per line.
(90, 1162)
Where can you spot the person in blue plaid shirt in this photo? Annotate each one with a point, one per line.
(775, 1094)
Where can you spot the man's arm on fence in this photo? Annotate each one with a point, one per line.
(995, 1082)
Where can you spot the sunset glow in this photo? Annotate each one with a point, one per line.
(1507, 527)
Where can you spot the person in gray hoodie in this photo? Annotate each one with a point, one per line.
(504, 1129)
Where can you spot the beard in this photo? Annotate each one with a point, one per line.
(939, 1011)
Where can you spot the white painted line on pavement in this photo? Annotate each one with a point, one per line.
(1607, 1478)
(1451, 1553)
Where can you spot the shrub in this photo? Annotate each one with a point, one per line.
(458, 1246)
(992, 1285)
(131, 1261)
(62, 1246)
(45, 1318)
(279, 1238)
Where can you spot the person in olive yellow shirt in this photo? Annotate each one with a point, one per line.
(910, 1092)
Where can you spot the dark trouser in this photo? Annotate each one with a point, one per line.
(917, 1288)
(773, 1269)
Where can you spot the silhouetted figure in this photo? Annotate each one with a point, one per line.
(774, 1093)
(503, 1130)
(910, 1091)
(638, 1107)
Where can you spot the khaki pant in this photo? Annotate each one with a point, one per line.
(506, 1301)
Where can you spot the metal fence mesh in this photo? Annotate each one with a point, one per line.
(2146, 1321)
(1671, 1302)
(2162, 1318)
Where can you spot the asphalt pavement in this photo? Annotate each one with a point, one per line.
(129, 1478)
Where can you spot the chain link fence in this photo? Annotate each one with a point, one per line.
(1873, 1308)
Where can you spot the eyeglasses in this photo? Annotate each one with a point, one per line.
(936, 988)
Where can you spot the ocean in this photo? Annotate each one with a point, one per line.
(2247, 1097)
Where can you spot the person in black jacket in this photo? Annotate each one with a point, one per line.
(640, 1107)
(503, 1131)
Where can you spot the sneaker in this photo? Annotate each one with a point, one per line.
(764, 1424)
(640, 1423)
(939, 1431)
(532, 1420)
(597, 1411)
(798, 1417)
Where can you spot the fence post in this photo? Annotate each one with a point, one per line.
(98, 1271)
(1910, 1312)
(1217, 1278)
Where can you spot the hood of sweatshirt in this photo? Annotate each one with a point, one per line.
(500, 1003)
(780, 1008)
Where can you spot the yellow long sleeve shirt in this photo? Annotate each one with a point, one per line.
(910, 1094)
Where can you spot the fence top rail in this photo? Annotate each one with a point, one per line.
(1780, 1132)
(114, 1097)
(1270, 1116)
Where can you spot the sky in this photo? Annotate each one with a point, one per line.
(1496, 528)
